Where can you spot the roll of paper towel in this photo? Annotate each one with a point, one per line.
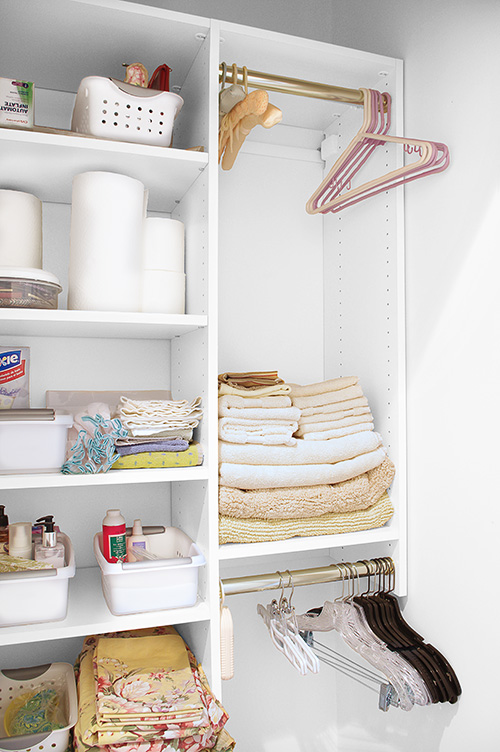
(163, 291)
(163, 244)
(20, 229)
(107, 215)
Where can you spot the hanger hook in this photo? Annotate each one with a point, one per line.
(290, 585)
(224, 74)
(234, 73)
(221, 593)
(245, 78)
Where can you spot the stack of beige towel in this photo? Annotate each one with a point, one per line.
(274, 484)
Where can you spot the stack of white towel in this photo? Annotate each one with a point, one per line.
(278, 478)
(160, 418)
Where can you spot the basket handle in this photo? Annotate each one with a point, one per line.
(160, 564)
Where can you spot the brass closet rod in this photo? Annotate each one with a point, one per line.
(333, 573)
(297, 86)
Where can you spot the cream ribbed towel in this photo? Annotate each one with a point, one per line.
(328, 398)
(232, 400)
(330, 425)
(308, 501)
(321, 387)
(265, 391)
(281, 476)
(335, 406)
(339, 415)
(337, 433)
(149, 417)
(260, 413)
(257, 431)
(233, 530)
(303, 453)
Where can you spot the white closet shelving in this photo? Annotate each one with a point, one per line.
(267, 285)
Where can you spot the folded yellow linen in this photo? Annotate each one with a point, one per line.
(188, 458)
(263, 391)
(334, 407)
(328, 398)
(279, 476)
(235, 530)
(308, 501)
(228, 400)
(337, 433)
(321, 387)
(239, 431)
(303, 453)
(331, 425)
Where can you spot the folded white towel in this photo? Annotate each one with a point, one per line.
(337, 433)
(149, 417)
(260, 413)
(335, 406)
(331, 385)
(303, 453)
(330, 425)
(233, 400)
(325, 417)
(283, 476)
(257, 431)
(328, 398)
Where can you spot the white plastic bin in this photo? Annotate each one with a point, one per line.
(34, 446)
(171, 582)
(37, 596)
(14, 682)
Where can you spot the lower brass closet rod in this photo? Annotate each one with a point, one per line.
(270, 82)
(333, 573)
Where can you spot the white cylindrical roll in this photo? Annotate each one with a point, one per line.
(20, 229)
(163, 244)
(163, 291)
(107, 215)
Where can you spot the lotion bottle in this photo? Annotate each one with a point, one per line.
(20, 543)
(49, 549)
(114, 546)
(135, 541)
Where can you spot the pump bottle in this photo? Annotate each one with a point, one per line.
(49, 550)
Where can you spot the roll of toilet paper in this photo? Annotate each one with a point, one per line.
(107, 215)
(163, 244)
(20, 229)
(163, 291)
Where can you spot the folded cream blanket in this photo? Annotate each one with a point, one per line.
(280, 476)
(331, 385)
(264, 391)
(308, 501)
(353, 420)
(337, 433)
(260, 413)
(328, 398)
(303, 453)
(234, 530)
(338, 415)
(258, 431)
(232, 400)
(334, 407)
(148, 417)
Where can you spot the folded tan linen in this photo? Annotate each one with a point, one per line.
(234, 530)
(250, 379)
(308, 501)
(280, 476)
(331, 385)
(328, 398)
(338, 415)
(354, 420)
(232, 400)
(260, 413)
(335, 406)
(258, 431)
(336, 433)
(263, 391)
(303, 453)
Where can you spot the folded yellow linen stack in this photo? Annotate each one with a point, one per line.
(333, 479)
(144, 690)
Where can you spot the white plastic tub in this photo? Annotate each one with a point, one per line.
(37, 596)
(34, 446)
(171, 582)
(14, 682)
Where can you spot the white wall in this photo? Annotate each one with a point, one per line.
(450, 48)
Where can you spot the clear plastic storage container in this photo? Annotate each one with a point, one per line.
(28, 288)
(33, 446)
(169, 582)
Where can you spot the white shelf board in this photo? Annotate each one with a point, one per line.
(113, 477)
(231, 551)
(89, 614)
(62, 323)
(45, 163)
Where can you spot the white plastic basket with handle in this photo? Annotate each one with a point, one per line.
(14, 682)
(107, 108)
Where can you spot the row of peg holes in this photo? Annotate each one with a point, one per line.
(128, 106)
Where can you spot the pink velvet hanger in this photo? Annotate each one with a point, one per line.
(328, 197)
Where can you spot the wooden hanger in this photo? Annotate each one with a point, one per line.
(328, 197)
